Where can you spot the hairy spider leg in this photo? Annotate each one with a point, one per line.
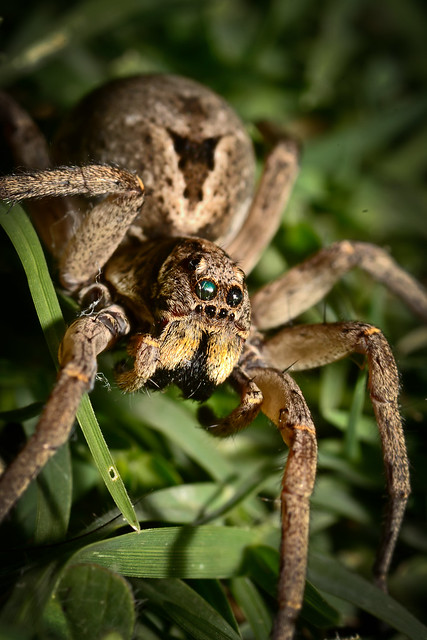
(84, 340)
(307, 283)
(309, 346)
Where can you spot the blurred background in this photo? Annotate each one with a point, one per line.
(348, 78)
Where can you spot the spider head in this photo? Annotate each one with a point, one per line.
(191, 298)
(202, 317)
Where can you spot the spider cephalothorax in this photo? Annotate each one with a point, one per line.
(153, 273)
(192, 302)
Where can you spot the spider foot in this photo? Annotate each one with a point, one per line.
(145, 351)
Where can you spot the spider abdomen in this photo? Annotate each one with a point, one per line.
(189, 147)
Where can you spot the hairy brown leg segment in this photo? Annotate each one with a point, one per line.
(271, 197)
(284, 404)
(88, 244)
(84, 340)
(250, 404)
(281, 400)
(308, 346)
(145, 349)
(104, 226)
(306, 284)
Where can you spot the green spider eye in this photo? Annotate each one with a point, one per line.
(206, 290)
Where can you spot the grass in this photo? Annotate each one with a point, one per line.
(349, 79)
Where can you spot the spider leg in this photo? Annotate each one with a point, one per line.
(145, 350)
(262, 221)
(308, 346)
(245, 413)
(105, 225)
(306, 284)
(284, 404)
(82, 246)
(281, 400)
(84, 340)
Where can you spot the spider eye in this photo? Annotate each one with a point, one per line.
(234, 297)
(193, 263)
(206, 289)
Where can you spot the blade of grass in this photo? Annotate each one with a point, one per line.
(195, 504)
(21, 232)
(181, 604)
(250, 601)
(181, 552)
(54, 497)
(351, 441)
(331, 392)
(160, 412)
(263, 567)
(331, 577)
(105, 462)
(27, 245)
(215, 594)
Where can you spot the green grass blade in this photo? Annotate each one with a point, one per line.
(250, 601)
(175, 552)
(330, 576)
(181, 604)
(25, 240)
(351, 441)
(54, 497)
(263, 567)
(27, 245)
(104, 461)
(159, 412)
(214, 593)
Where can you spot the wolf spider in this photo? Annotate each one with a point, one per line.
(164, 264)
